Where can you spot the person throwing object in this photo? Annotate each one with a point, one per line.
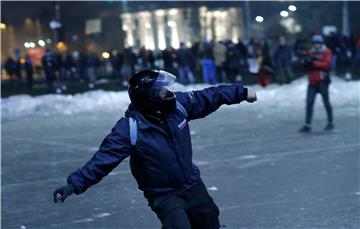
(155, 134)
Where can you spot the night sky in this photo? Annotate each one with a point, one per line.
(74, 13)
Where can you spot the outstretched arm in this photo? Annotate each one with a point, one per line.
(114, 149)
(203, 102)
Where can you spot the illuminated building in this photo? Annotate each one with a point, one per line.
(168, 27)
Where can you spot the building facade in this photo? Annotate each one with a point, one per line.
(168, 27)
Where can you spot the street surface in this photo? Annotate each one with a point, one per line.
(260, 171)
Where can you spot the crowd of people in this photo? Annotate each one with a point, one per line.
(272, 59)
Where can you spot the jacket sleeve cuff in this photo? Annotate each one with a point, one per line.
(245, 94)
(76, 190)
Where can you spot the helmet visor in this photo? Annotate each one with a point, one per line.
(160, 86)
(164, 79)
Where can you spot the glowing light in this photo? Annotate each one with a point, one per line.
(41, 43)
(171, 23)
(27, 45)
(224, 14)
(284, 13)
(173, 12)
(61, 46)
(259, 19)
(160, 13)
(2, 26)
(291, 25)
(32, 45)
(125, 27)
(217, 14)
(22, 60)
(105, 55)
(292, 8)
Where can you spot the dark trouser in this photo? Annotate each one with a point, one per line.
(193, 208)
(323, 89)
(285, 74)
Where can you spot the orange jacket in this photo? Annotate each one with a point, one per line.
(321, 66)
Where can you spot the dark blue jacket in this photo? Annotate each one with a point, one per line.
(160, 161)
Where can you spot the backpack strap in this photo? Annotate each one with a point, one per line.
(133, 131)
(181, 108)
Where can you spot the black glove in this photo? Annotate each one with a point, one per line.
(308, 61)
(63, 192)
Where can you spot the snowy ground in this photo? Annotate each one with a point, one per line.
(261, 172)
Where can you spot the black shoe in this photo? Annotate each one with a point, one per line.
(329, 127)
(305, 129)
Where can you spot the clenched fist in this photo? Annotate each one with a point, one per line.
(251, 95)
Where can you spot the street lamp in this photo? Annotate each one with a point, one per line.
(32, 45)
(2, 25)
(105, 55)
(259, 19)
(284, 13)
(292, 8)
(41, 43)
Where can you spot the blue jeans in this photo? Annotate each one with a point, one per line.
(186, 75)
(209, 71)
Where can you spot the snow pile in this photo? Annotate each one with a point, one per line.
(342, 94)
(47, 105)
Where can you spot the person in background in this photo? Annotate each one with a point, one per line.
(208, 65)
(10, 68)
(232, 62)
(49, 66)
(243, 55)
(184, 59)
(282, 59)
(220, 58)
(116, 61)
(92, 63)
(151, 58)
(128, 67)
(29, 72)
(317, 62)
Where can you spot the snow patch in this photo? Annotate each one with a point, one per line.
(342, 93)
(83, 220)
(102, 215)
(213, 188)
(201, 162)
(248, 157)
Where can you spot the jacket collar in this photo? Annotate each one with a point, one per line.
(143, 123)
